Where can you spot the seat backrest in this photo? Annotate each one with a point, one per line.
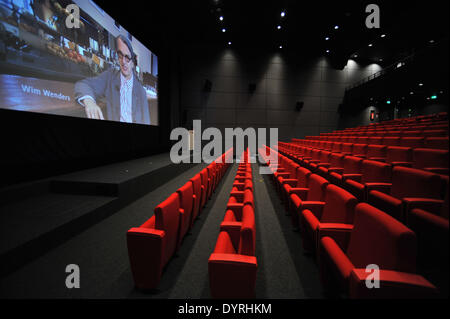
(325, 157)
(352, 165)
(197, 188)
(375, 140)
(317, 186)
(347, 148)
(413, 142)
(303, 175)
(437, 143)
(359, 149)
(436, 133)
(167, 218)
(339, 206)
(391, 140)
(398, 154)
(186, 193)
(362, 140)
(376, 172)
(427, 158)
(376, 151)
(380, 239)
(247, 238)
(336, 147)
(248, 197)
(411, 182)
(337, 160)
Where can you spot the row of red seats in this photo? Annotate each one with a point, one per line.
(416, 198)
(437, 131)
(432, 160)
(347, 237)
(411, 141)
(152, 245)
(232, 266)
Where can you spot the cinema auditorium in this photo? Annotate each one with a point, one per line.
(224, 150)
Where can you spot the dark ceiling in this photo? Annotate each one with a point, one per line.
(408, 25)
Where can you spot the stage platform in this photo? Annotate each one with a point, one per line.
(37, 217)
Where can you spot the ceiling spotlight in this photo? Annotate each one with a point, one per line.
(355, 56)
(279, 27)
(381, 60)
(221, 18)
(431, 41)
(370, 44)
(383, 35)
(420, 84)
(411, 92)
(229, 42)
(336, 27)
(223, 30)
(283, 13)
(327, 38)
(280, 46)
(328, 51)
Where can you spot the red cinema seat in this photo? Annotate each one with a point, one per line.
(338, 208)
(198, 191)
(336, 147)
(360, 150)
(375, 140)
(391, 141)
(336, 163)
(376, 153)
(413, 142)
(431, 160)
(362, 140)
(290, 185)
(399, 156)
(440, 143)
(232, 269)
(373, 174)
(352, 166)
(409, 187)
(434, 133)
(375, 239)
(300, 198)
(430, 223)
(324, 158)
(151, 245)
(347, 148)
(238, 186)
(187, 199)
(205, 188)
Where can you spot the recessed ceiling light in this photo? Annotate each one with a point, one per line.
(223, 30)
(280, 46)
(411, 93)
(336, 27)
(229, 42)
(381, 60)
(279, 27)
(328, 51)
(431, 41)
(283, 13)
(370, 44)
(327, 38)
(383, 35)
(420, 84)
(221, 18)
(355, 56)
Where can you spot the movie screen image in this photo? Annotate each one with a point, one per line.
(71, 58)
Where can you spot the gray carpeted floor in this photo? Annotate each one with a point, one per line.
(101, 252)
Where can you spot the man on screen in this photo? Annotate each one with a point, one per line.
(126, 99)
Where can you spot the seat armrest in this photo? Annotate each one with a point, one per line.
(404, 164)
(437, 170)
(381, 187)
(339, 232)
(392, 284)
(315, 207)
(236, 208)
(302, 193)
(428, 204)
(338, 170)
(355, 177)
(290, 181)
(378, 159)
(234, 230)
(326, 165)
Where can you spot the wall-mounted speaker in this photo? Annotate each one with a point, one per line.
(207, 86)
(252, 87)
(299, 106)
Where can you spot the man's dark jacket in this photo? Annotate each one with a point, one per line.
(107, 84)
